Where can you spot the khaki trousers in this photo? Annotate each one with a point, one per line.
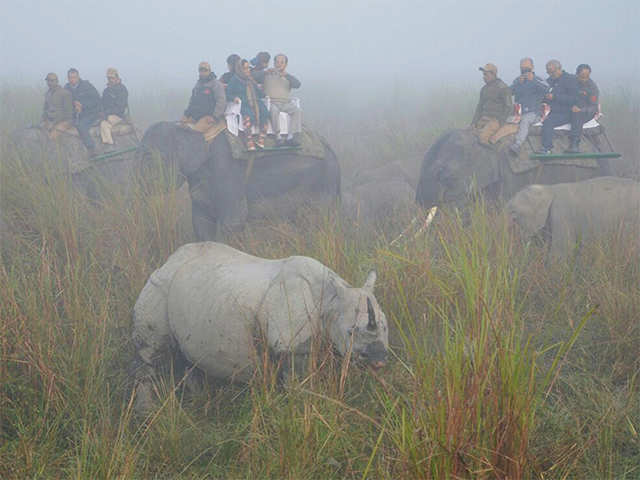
(504, 131)
(54, 130)
(201, 125)
(485, 128)
(207, 126)
(106, 126)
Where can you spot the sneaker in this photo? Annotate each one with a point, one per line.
(251, 146)
(543, 152)
(280, 142)
(260, 142)
(515, 149)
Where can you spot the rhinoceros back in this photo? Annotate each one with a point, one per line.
(212, 305)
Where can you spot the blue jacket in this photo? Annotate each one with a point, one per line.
(565, 92)
(529, 93)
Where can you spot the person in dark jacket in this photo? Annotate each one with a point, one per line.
(585, 108)
(57, 114)
(86, 103)
(207, 103)
(563, 90)
(494, 106)
(528, 91)
(115, 103)
(232, 60)
(243, 89)
(260, 62)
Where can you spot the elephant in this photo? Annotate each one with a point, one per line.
(570, 213)
(227, 191)
(377, 195)
(35, 148)
(213, 303)
(457, 165)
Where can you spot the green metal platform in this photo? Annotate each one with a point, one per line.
(275, 149)
(542, 156)
(112, 154)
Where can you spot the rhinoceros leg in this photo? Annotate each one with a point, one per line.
(152, 339)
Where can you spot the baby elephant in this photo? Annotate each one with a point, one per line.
(211, 301)
(574, 212)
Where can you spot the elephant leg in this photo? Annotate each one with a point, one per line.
(204, 227)
(204, 221)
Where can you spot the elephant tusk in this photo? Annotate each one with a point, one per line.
(427, 222)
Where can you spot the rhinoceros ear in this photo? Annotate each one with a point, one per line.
(371, 281)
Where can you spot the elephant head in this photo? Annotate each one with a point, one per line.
(181, 152)
(454, 168)
(216, 182)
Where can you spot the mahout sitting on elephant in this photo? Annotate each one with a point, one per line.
(214, 303)
(228, 184)
(457, 165)
(113, 165)
(570, 213)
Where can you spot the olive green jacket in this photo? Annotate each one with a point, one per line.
(58, 105)
(495, 102)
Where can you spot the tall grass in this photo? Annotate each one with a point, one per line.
(503, 365)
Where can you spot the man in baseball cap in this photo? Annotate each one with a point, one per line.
(494, 106)
(208, 101)
(57, 114)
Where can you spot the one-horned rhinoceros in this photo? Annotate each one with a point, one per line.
(208, 300)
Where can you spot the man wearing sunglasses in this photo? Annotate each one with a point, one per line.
(207, 103)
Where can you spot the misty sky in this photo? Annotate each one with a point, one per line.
(160, 43)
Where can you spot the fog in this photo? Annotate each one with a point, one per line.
(361, 43)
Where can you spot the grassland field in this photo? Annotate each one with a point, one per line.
(503, 365)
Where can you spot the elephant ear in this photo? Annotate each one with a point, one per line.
(191, 151)
(529, 208)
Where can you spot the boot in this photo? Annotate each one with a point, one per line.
(574, 145)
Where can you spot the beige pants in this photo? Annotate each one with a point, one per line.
(504, 131)
(201, 125)
(54, 130)
(106, 126)
(485, 128)
(207, 126)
